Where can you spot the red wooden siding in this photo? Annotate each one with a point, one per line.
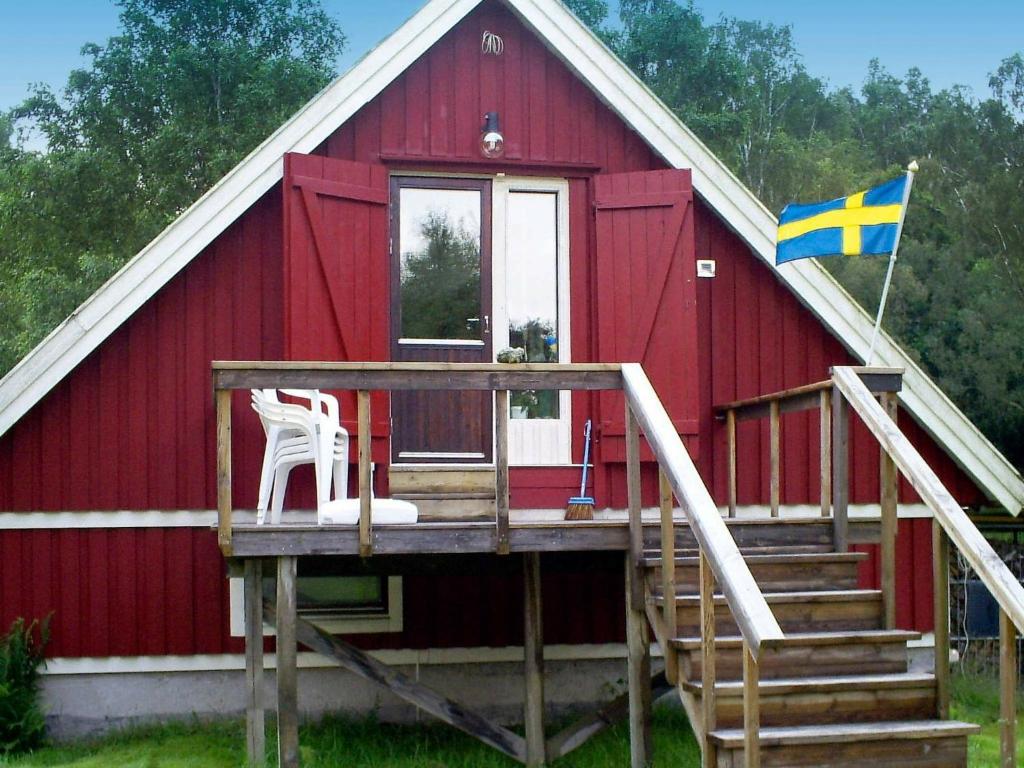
(163, 591)
(433, 112)
(132, 427)
(123, 592)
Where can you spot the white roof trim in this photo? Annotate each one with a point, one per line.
(628, 97)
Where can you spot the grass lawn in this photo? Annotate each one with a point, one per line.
(368, 744)
(976, 700)
(354, 744)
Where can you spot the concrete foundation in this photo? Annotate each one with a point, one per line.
(88, 704)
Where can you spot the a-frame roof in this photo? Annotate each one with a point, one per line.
(624, 94)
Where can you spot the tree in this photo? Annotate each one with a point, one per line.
(441, 283)
(183, 92)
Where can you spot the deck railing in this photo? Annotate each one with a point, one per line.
(950, 523)
(833, 461)
(856, 388)
(720, 558)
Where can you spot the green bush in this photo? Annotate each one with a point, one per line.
(22, 724)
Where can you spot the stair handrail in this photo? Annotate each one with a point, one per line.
(950, 523)
(753, 615)
(993, 572)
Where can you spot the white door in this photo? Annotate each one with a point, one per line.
(531, 307)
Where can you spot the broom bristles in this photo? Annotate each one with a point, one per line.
(580, 508)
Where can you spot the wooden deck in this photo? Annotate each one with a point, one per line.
(303, 537)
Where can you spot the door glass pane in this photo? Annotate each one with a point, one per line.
(439, 243)
(532, 281)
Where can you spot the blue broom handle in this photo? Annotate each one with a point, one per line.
(586, 457)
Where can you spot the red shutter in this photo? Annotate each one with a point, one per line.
(646, 294)
(336, 267)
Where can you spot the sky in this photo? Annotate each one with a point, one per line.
(951, 42)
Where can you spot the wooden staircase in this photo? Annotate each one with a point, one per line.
(836, 692)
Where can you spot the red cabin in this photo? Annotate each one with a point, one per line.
(381, 225)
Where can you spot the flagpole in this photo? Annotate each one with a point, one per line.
(911, 170)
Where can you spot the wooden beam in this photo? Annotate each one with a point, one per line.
(501, 474)
(730, 436)
(577, 733)
(255, 734)
(368, 668)
(805, 397)
(412, 376)
(668, 577)
(889, 480)
(1008, 672)
(638, 672)
(533, 649)
(940, 582)
(365, 438)
(825, 432)
(774, 457)
(751, 710)
(287, 671)
(222, 400)
(784, 394)
(636, 532)
(709, 753)
(840, 470)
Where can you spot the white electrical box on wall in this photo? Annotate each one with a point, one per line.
(705, 267)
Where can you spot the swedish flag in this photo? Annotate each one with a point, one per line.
(866, 223)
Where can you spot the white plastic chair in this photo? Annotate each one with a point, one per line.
(300, 424)
(288, 447)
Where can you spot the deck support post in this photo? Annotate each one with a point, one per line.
(940, 586)
(708, 663)
(774, 427)
(751, 710)
(255, 735)
(825, 432)
(889, 480)
(287, 672)
(668, 577)
(533, 647)
(840, 470)
(501, 469)
(1008, 671)
(638, 675)
(730, 436)
(638, 643)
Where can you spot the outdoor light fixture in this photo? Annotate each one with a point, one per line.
(492, 143)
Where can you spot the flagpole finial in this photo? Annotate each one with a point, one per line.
(913, 166)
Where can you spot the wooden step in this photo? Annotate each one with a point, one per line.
(917, 743)
(781, 549)
(808, 611)
(747, 533)
(803, 571)
(432, 510)
(439, 479)
(831, 699)
(805, 653)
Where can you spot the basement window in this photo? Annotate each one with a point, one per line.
(336, 604)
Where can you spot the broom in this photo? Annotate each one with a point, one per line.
(582, 507)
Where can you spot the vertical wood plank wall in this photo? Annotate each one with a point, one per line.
(166, 587)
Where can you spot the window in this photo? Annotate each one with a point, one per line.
(531, 307)
(336, 604)
(439, 245)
